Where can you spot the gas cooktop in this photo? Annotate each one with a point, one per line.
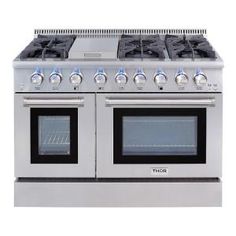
(122, 47)
(121, 61)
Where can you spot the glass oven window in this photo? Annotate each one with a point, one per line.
(54, 135)
(159, 135)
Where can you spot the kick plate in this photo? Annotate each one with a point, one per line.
(118, 194)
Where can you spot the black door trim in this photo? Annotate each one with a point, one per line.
(54, 159)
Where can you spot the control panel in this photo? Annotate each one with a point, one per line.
(121, 79)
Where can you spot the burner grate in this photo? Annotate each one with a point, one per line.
(195, 46)
(140, 46)
(52, 46)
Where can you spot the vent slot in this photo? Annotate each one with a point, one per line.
(116, 32)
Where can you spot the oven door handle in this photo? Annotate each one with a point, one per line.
(53, 102)
(161, 102)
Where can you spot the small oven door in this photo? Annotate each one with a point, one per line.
(54, 135)
(165, 135)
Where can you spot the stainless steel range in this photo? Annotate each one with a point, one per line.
(118, 118)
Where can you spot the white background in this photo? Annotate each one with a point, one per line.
(17, 21)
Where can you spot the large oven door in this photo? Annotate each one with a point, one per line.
(167, 135)
(54, 135)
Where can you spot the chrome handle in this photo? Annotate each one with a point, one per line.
(53, 101)
(162, 102)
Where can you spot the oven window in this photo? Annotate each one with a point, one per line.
(159, 135)
(162, 135)
(54, 135)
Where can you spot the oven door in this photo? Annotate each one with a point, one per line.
(167, 135)
(54, 135)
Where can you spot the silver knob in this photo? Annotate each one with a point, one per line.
(76, 78)
(160, 78)
(55, 78)
(36, 78)
(140, 79)
(121, 79)
(181, 78)
(100, 78)
(200, 79)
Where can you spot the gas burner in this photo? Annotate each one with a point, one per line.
(192, 47)
(138, 46)
(52, 46)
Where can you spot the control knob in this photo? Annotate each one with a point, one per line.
(140, 78)
(160, 78)
(76, 78)
(200, 78)
(121, 78)
(100, 77)
(181, 78)
(55, 78)
(37, 77)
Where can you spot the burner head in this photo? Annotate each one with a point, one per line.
(48, 47)
(192, 47)
(138, 46)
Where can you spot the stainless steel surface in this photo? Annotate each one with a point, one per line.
(205, 101)
(105, 166)
(94, 81)
(52, 101)
(118, 194)
(115, 32)
(94, 48)
(98, 49)
(86, 135)
(184, 63)
(89, 70)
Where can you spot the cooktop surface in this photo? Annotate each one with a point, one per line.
(122, 47)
